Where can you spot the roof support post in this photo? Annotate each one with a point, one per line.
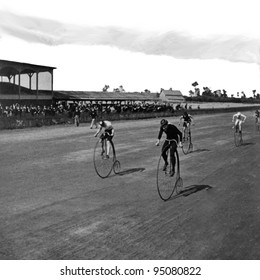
(19, 85)
(52, 84)
(37, 84)
(30, 80)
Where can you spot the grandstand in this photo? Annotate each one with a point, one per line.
(24, 82)
(29, 83)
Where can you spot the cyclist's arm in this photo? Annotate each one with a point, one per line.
(96, 134)
(159, 137)
(244, 117)
(179, 133)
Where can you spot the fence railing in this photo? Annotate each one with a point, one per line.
(14, 122)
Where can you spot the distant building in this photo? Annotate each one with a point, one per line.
(171, 96)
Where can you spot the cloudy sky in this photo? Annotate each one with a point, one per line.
(140, 44)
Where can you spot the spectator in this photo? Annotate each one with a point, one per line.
(93, 114)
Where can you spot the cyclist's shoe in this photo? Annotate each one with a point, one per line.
(107, 156)
(165, 166)
(102, 153)
(172, 173)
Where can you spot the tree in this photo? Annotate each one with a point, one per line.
(121, 89)
(224, 93)
(191, 93)
(105, 88)
(243, 94)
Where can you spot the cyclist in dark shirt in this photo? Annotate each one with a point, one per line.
(257, 116)
(173, 137)
(187, 120)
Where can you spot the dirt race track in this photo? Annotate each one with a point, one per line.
(54, 206)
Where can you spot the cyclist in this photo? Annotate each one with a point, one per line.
(172, 133)
(187, 120)
(257, 116)
(238, 118)
(108, 133)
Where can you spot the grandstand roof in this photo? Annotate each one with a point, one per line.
(9, 68)
(106, 96)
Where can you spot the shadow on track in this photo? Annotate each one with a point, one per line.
(200, 151)
(129, 171)
(247, 144)
(191, 189)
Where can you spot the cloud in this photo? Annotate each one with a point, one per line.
(236, 48)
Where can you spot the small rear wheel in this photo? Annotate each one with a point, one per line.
(117, 166)
(179, 185)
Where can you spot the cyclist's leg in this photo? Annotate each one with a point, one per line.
(172, 154)
(188, 128)
(240, 126)
(108, 144)
(109, 138)
(108, 148)
(102, 139)
(165, 148)
(236, 125)
(184, 130)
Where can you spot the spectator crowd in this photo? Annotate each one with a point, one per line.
(71, 108)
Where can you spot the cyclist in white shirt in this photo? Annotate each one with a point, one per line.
(108, 133)
(238, 118)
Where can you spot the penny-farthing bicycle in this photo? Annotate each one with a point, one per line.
(167, 184)
(104, 161)
(187, 145)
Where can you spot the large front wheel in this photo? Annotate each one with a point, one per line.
(104, 159)
(186, 142)
(238, 138)
(166, 183)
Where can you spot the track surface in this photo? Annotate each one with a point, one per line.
(54, 206)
